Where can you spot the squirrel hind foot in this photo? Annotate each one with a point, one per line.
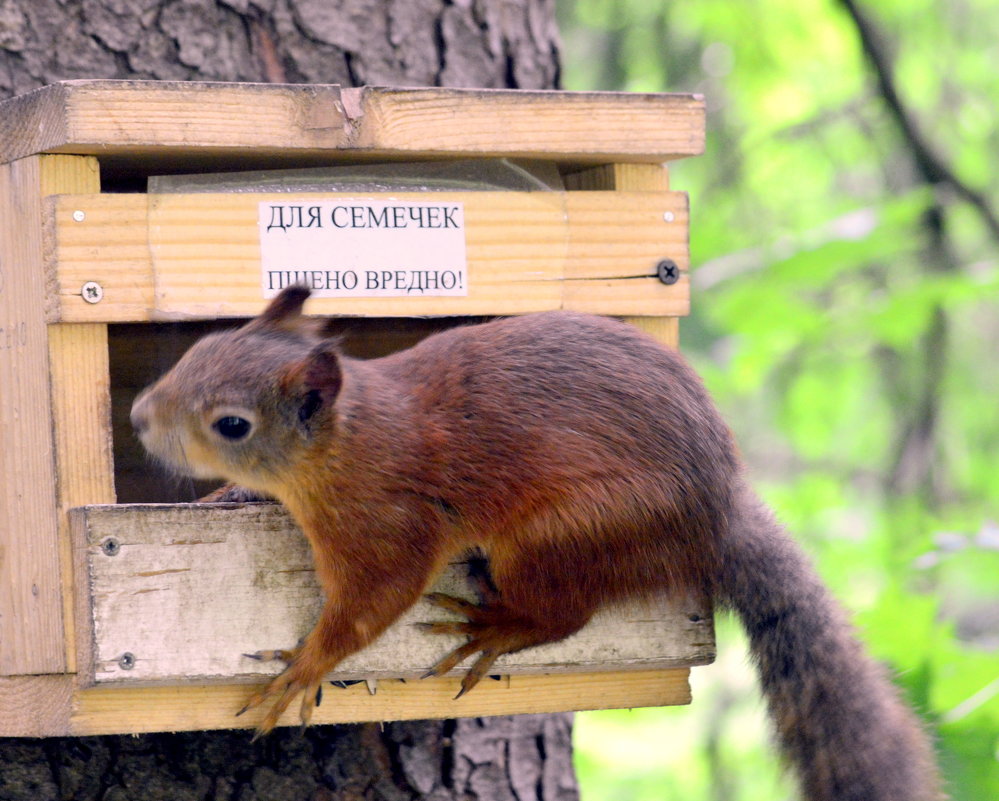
(492, 630)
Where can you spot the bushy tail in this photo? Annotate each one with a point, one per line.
(840, 722)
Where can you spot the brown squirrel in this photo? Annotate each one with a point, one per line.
(586, 461)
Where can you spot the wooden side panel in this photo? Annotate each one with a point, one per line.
(281, 122)
(527, 251)
(635, 178)
(623, 177)
(35, 706)
(180, 593)
(80, 396)
(31, 607)
(81, 416)
(664, 329)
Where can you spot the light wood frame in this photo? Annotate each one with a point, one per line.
(55, 430)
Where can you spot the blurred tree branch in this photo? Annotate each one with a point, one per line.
(915, 464)
(932, 167)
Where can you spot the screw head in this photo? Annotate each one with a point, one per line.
(79, 216)
(110, 547)
(126, 661)
(92, 292)
(668, 271)
(669, 216)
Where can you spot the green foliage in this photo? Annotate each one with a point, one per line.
(845, 318)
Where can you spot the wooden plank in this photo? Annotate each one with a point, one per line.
(611, 231)
(77, 253)
(277, 123)
(80, 397)
(78, 358)
(31, 605)
(185, 590)
(81, 417)
(663, 329)
(631, 178)
(622, 177)
(35, 706)
(50, 706)
(527, 251)
(104, 710)
(630, 297)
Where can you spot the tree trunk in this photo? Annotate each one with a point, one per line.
(480, 43)
(515, 758)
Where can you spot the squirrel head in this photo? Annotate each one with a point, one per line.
(246, 405)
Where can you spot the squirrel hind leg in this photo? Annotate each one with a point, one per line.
(495, 627)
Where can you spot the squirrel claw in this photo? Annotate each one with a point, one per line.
(310, 700)
(477, 671)
(279, 655)
(296, 678)
(491, 629)
(450, 660)
(447, 627)
(452, 604)
(287, 693)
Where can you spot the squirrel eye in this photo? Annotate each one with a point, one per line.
(232, 427)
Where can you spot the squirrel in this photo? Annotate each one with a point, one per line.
(585, 460)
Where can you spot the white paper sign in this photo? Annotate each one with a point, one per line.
(364, 248)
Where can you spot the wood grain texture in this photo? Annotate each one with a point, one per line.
(187, 589)
(35, 706)
(107, 710)
(635, 178)
(186, 256)
(622, 177)
(80, 397)
(143, 117)
(31, 600)
(76, 253)
(663, 329)
(50, 706)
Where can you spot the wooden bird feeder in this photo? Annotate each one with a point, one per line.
(124, 611)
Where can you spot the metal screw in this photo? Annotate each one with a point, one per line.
(669, 216)
(92, 292)
(79, 216)
(126, 661)
(668, 271)
(110, 547)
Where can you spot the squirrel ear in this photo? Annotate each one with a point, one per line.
(315, 380)
(284, 312)
(323, 369)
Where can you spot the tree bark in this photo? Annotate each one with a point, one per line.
(479, 43)
(515, 758)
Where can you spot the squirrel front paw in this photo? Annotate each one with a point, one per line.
(234, 493)
(303, 675)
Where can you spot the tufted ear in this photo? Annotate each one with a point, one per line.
(284, 313)
(314, 382)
